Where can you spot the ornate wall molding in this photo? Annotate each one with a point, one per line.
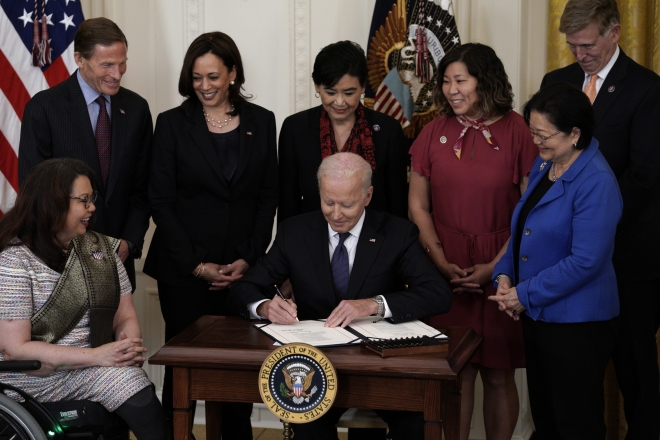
(301, 54)
(193, 20)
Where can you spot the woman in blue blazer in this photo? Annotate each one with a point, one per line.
(557, 273)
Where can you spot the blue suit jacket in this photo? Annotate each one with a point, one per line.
(566, 271)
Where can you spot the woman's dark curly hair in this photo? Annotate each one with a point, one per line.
(493, 87)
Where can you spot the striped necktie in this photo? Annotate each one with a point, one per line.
(103, 139)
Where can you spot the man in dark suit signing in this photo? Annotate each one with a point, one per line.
(626, 103)
(346, 262)
(91, 118)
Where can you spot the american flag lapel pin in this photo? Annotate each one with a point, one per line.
(373, 240)
(249, 133)
(122, 111)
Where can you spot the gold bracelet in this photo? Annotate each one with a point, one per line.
(200, 269)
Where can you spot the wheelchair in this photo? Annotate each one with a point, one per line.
(28, 419)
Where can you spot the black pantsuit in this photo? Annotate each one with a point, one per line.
(201, 216)
(565, 372)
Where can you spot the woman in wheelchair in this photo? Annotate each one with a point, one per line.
(66, 301)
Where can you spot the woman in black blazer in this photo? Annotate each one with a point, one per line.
(341, 123)
(213, 193)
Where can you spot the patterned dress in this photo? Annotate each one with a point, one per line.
(472, 202)
(26, 284)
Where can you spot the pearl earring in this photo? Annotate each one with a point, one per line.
(232, 82)
(317, 95)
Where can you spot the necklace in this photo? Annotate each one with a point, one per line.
(554, 176)
(212, 122)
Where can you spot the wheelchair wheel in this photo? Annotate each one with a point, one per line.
(16, 423)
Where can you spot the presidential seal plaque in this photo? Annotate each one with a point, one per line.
(297, 383)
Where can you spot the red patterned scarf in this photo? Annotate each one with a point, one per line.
(359, 141)
(477, 125)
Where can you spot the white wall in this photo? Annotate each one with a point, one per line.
(278, 40)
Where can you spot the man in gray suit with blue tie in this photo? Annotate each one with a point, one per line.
(92, 118)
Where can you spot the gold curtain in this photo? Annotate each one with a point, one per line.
(640, 40)
(640, 33)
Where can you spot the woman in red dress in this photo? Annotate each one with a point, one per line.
(469, 168)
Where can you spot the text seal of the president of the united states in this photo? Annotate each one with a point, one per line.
(298, 383)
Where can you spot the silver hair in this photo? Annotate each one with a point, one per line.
(344, 166)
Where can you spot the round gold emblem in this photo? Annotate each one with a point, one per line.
(297, 383)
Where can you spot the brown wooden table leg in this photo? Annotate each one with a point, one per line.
(213, 420)
(183, 414)
(433, 400)
(451, 408)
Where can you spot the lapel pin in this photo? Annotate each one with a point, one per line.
(249, 133)
(611, 89)
(122, 111)
(376, 127)
(443, 139)
(373, 240)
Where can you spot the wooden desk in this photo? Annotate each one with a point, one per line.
(217, 359)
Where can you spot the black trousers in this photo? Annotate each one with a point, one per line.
(636, 357)
(181, 306)
(565, 373)
(403, 425)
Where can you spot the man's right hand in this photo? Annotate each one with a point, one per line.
(278, 311)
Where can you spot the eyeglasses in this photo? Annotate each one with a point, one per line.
(544, 138)
(87, 199)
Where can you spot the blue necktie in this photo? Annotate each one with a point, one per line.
(339, 265)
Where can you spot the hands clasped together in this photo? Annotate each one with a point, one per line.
(280, 311)
(126, 352)
(507, 299)
(468, 280)
(220, 276)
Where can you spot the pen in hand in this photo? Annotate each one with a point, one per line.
(281, 296)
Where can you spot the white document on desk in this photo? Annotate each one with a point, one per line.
(310, 332)
(386, 330)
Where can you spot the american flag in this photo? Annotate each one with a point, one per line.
(48, 43)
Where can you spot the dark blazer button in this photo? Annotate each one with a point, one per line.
(527, 232)
(225, 206)
(524, 258)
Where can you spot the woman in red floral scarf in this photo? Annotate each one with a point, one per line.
(341, 123)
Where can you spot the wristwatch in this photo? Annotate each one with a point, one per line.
(381, 307)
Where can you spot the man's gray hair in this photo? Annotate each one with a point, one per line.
(344, 166)
(579, 14)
